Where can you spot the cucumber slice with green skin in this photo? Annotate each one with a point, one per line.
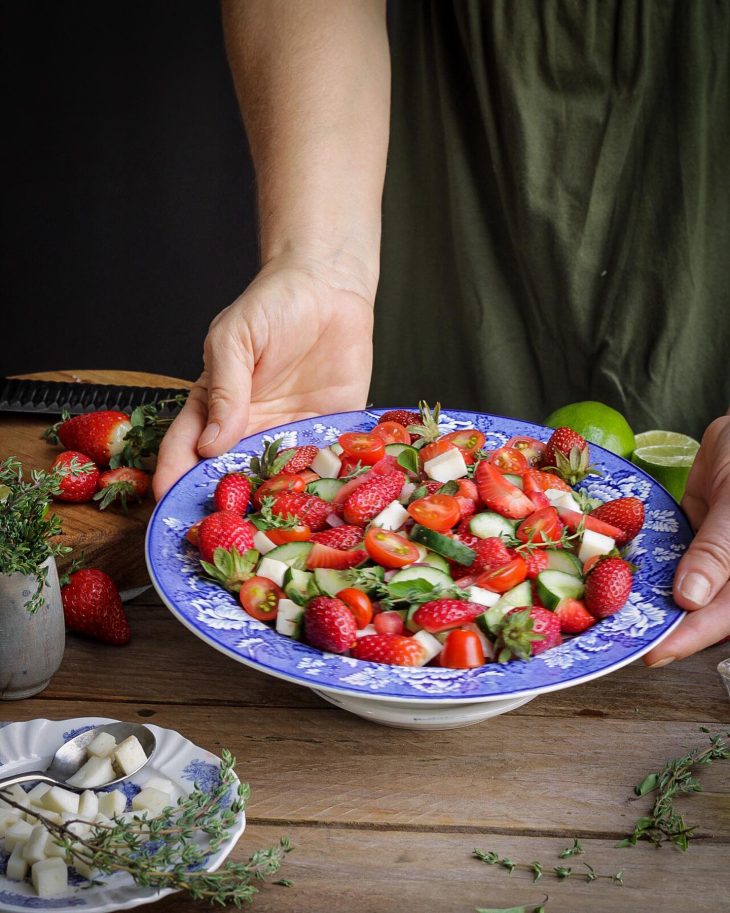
(561, 560)
(519, 596)
(396, 449)
(488, 524)
(326, 489)
(441, 564)
(294, 554)
(430, 574)
(517, 481)
(299, 586)
(442, 545)
(410, 624)
(329, 582)
(552, 586)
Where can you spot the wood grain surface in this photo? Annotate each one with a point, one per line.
(110, 539)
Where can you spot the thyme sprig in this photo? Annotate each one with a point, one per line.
(538, 870)
(162, 853)
(676, 778)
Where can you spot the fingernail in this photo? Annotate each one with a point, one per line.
(662, 662)
(696, 588)
(209, 435)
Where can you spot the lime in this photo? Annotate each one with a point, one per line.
(668, 457)
(597, 423)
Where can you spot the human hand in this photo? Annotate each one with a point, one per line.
(702, 581)
(296, 344)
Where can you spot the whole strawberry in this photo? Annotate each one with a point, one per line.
(574, 616)
(567, 452)
(233, 492)
(122, 485)
(224, 529)
(306, 508)
(608, 586)
(100, 435)
(329, 625)
(442, 614)
(536, 561)
(625, 513)
(401, 417)
(339, 536)
(527, 632)
(491, 553)
(80, 476)
(393, 649)
(92, 606)
(301, 459)
(369, 499)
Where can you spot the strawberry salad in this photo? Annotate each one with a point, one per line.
(405, 545)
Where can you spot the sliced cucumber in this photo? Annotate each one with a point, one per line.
(552, 586)
(442, 545)
(430, 574)
(326, 489)
(436, 561)
(488, 524)
(330, 582)
(299, 586)
(517, 481)
(410, 624)
(294, 554)
(519, 596)
(561, 560)
(396, 449)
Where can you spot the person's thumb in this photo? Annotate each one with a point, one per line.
(705, 568)
(228, 368)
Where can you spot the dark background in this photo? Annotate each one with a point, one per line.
(128, 201)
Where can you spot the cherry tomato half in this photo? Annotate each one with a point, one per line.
(389, 623)
(542, 526)
(299, 533)
(468, 439)
(390, 549)
(260, 598)
(285, 481)
(392, 433)
(363, 446)
(505, 577)
(359, 604)
(437, 512)
(462, 650)
(529, 447)
(508, 459)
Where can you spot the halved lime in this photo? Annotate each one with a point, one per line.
(598, 423)
(668, 457)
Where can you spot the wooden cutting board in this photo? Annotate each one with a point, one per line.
(110, 539)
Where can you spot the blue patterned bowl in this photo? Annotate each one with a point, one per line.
(215, 616)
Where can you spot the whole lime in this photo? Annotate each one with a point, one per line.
(598, 423)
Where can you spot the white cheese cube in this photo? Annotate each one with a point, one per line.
(368, 629)
(481, 596)
(262, 543)
(558, 498)
(95, 772)
(17, 833)
(35, 848)
(406, 492)
(446, 467)
(88, 805)
(8, 817)
(49, 877)
(102, 746)
(83, 868)
(289, 617)
(129, 756)
(103, 821)
(273, 570)
(163, 784)
(594, 544)
(391, 517)
(151, 800)
(112, 803)
(327, 464)
(17, 794)
(53, 849)
(336, 448)
(38, 812)
(431, 645)
(17, 867)
(35, 795)
(76, 827)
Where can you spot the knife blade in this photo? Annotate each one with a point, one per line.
(52, 397)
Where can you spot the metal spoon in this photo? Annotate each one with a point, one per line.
(72, 755)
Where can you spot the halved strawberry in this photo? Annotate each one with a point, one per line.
(626, 514)
(336, 558)
(339, 536)
(491, 553)
(574, 616)
(393, 649)
(536, 561)
(369, 499)
(301, 459)
(306, 508)
(500, 495)
(573, 519)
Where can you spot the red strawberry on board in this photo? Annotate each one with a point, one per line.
(92, 605)
(100, 435)
(80, 476)
(369, 499)
(306, 508)
(500, 495)
(574, 616)
(608, 586)
(121, 485)
(401, 417)
(627, 514)
(335, 558)
(224, 529)
(329, 624)
(233, 492)
(442, 614)
(339, 536)
(301, 459)
(392, 649)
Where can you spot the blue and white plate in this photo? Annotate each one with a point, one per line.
(31, 746)
(216, 617)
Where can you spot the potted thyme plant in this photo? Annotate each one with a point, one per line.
(32, 631)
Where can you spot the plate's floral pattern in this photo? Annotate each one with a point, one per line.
(215, 616)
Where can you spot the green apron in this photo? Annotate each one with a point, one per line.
(556, 221)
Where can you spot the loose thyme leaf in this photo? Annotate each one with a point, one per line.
(575, 850)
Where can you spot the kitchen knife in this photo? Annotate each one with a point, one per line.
(52, 397)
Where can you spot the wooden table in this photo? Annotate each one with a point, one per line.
(386, 820)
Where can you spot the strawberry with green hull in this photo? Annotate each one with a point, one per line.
(527, 632)
(567, 454)
(92, 606)
(100, 435)
(306, 508)
(122, 485)
(80, 477)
